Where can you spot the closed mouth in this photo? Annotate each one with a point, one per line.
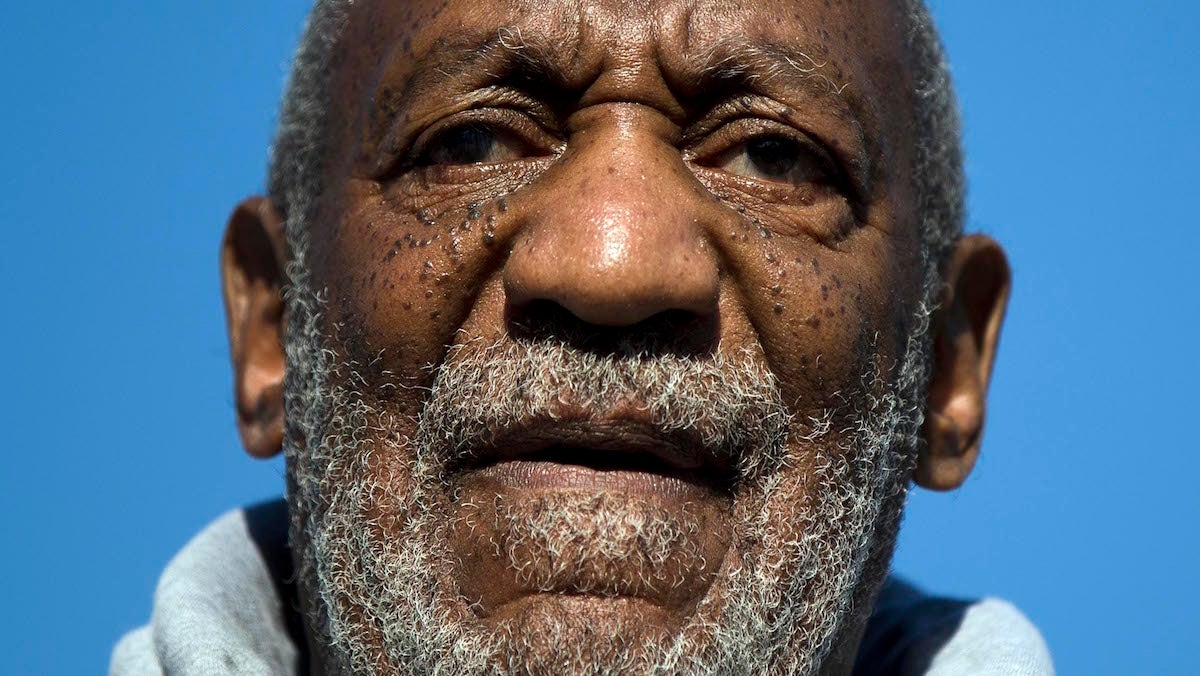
(609, 454)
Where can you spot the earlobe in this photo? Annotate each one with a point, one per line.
(966, 336)
(252, 278)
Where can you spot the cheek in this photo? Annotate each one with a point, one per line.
(823, 315)
(402, 280)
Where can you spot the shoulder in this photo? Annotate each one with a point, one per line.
(993, 637)
(218, 607)
(913, 633)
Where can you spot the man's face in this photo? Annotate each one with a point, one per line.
(618, 336)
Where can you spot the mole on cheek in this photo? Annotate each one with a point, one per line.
(393, 251)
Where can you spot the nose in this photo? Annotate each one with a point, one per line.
(615, 236)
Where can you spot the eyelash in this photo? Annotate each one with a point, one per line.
(504, 123)
(734, 134)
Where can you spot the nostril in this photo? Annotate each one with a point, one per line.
(538, 319)
(676, 332)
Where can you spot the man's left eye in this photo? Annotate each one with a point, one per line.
(470, 144)
(773, 158)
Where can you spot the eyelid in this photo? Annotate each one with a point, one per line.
(702, 140)
(737, 133)
(503, 122)
(506, 123)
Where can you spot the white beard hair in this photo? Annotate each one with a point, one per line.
(382, 604)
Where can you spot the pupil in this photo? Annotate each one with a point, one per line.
(772, 156)
(469, 145)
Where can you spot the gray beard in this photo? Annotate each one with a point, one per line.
(808, 549)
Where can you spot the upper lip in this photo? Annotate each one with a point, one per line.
(611, 441)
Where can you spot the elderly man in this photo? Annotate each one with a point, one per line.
(601, 338)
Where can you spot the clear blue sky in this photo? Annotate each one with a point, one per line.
(131, 128)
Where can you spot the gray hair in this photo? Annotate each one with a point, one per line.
(297, 158)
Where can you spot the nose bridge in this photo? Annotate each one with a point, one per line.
(616, 237)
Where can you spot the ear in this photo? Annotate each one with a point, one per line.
(253, 253)
(966, 334)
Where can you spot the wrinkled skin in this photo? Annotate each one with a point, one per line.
(713, 177)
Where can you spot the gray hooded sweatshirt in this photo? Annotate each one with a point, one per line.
(226, 604)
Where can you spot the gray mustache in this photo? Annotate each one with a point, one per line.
(730, 404)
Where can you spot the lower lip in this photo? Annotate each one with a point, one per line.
(547, 475)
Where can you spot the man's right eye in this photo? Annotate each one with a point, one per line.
(470, 144)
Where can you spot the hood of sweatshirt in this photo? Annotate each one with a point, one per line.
(226, 604)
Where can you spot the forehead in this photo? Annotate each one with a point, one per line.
(853, 23)
(854, 46)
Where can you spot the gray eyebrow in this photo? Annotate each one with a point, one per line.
(465, 56)
(732, 63)
(754, 61)
(731, 59)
